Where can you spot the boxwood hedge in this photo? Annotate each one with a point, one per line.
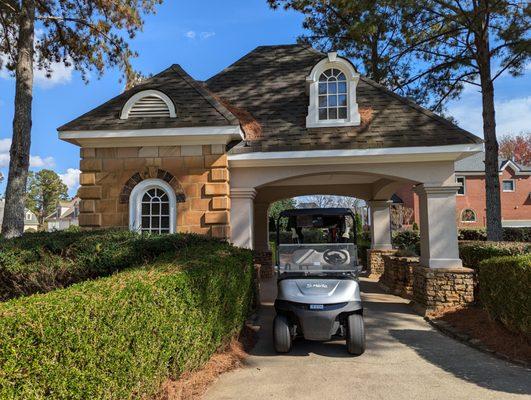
(505, 291)
(473, 252)
(118, 337)
(41, 262)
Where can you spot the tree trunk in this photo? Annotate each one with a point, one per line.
(13, 223)
(492, 179)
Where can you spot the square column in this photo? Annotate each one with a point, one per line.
(380, 225)
(438, 227)
(242, 216)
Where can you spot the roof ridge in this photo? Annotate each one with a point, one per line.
(203, 92)
(419, 108)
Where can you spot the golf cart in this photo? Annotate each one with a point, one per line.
(318, 292)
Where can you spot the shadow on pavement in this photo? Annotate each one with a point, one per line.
(465, 363)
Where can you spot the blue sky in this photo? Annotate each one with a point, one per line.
(203, 37)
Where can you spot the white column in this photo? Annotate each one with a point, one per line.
(380, 225)
(438, 227)
(241, 216)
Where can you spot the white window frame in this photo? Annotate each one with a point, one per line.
(144, 93)
(468, 222)
(509, 180)
(135, 203)
(463, 185)
(343, 65)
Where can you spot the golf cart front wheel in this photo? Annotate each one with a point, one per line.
(355, 334)
(281, 334)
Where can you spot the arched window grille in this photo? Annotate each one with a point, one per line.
(155, 217)
(333, 100)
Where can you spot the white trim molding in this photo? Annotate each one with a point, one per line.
(353, 115)
(359, 156)
(135, 203)
(145, 93)
(243, 193)
(153, 137)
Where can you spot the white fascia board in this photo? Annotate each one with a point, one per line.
(365, 156)
(187, 135)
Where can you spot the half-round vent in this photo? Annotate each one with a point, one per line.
(150, 106)
(148, 103)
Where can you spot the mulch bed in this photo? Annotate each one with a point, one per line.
(473, 325)
(193, 385)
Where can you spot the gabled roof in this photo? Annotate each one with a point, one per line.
(476, 164)
(194, 106)
(270, 84)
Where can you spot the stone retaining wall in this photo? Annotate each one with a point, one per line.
(375, 262)
(397, 277)
(437, 289)
(264, 259)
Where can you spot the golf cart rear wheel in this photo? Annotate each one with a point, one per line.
(355, 334)
(281, 334)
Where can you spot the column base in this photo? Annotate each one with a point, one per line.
(437, 290)
(375, 262)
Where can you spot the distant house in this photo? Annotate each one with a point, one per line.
(515, 190)
(31, 223)
(65, 215)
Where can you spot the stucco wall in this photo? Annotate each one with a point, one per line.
(199, 172)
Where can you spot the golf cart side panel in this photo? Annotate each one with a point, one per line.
(319, 325)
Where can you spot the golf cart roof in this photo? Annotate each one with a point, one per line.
(316, 211)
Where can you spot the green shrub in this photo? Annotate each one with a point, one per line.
(472, 234)
(408, 242)
(44, 261)
(505, 293)
(472, 253)
(119, 337)
(518, 234)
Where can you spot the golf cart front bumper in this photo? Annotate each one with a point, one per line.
(318, 324)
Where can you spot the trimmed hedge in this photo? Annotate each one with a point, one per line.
(42, 262)
(521, 234)
(473, 252)
(505, 291)
(407, 241)
(119, 337)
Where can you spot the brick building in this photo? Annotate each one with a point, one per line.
(515, 186)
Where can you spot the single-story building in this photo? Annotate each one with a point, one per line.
(173, 154)
(64, 216)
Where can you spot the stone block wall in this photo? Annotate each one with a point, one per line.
(199, 175)
(375, 262)
(439, 289)
(398, 275)
(264, 260)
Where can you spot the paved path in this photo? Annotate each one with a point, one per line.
(405, 359)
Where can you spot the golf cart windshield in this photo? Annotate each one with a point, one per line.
(316, 240)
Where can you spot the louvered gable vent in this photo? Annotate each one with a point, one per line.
(150, 106)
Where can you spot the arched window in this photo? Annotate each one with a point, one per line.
(148, 103)
(468, 215)
(332, 90)
(152, 207)
(333, 97)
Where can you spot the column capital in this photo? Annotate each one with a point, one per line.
(436, 189)
(243, 193)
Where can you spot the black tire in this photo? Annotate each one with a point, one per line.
(355, 334)
(281, 334)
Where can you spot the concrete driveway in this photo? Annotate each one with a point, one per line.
(405, 359)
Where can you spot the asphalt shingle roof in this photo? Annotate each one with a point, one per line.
(194, 106)
(476, 163)
(266, 90)
(270, 83)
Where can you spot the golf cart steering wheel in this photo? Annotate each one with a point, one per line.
(335, 256)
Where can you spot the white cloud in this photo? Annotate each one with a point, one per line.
(60, 75)
(202, 35)
(39, 162)
(35, 161)
(206, 35)
(512, 115)
(71, 179)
